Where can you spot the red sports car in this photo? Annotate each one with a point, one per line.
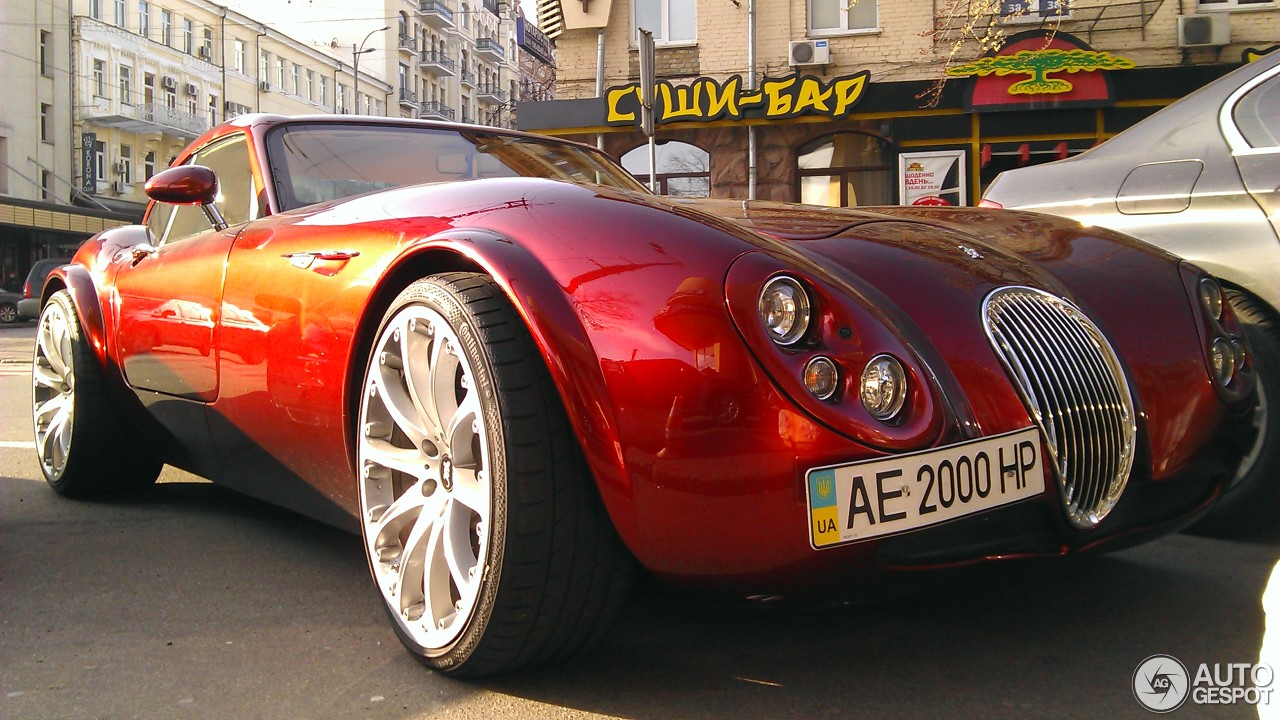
(520, 375)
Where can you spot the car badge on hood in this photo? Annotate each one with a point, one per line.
(970, 252)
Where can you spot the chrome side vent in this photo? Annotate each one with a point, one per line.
(1073, 385)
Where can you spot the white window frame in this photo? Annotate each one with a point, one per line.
(166, 27)
(660, 35)
(237, 55)
(95, 9)
(125, 75)
(99, 78)
(293, 70)
(1234, 5)
(122, 15)
(144, 19)
(126, 164)
(842, 11)
(188, 36)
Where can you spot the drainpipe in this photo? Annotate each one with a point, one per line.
(751, 85)
(222, 63)
(257, 61)
(600, 78)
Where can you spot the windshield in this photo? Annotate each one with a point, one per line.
(313, 163)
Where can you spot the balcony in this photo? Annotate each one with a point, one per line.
(436, 14)
(437, 63)
(490, 49)
(408, 98)
(491, 94)
(436, 110)
(149, 118)
(467, 79)
(408, 43)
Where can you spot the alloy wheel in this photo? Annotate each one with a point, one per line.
(53, 389)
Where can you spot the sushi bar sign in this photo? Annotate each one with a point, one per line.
(705, 99)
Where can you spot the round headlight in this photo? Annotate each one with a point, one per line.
(822, 377)
(1242, 355)
(1223, 360)
(1211, 297)
(784, 309)
(884, 387)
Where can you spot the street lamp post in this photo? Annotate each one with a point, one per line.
(355, 64)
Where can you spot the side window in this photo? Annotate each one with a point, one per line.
(229, 160)
(1257, 115)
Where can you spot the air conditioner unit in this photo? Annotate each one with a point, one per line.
(264, 86)
(191, 89)
(1208, 30)
(809, 52)
(168, 82)
(120, 167)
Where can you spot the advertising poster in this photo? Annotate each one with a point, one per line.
(932, 178)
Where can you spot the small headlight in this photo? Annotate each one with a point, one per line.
(1211, 297)
(1242, 355)
(822, 377)
(784, 308)
(1223, 359)
(884, 387)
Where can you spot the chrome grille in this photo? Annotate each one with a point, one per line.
(1072, 383)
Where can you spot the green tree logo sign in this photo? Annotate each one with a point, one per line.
(1038, 64)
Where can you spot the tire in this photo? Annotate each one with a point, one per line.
(80, 443)
(480, 520)
(8, 313)
(1252, 502)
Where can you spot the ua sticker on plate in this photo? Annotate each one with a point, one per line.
(862, 500)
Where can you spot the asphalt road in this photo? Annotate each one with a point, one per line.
(194, 602)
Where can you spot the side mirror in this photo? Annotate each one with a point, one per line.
(187, 185)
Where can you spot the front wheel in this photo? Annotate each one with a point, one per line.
(480, 522)
(1252, 501)
(79, 440)
(8, 313)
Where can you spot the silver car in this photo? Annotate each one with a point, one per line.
(1200, 178)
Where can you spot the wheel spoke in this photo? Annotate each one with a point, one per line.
(46, 377)
(458, 553)
(430, 570)
(418, 355)
(46, 412)
(51, 347)
(463, 427)
(398, 404)
(405, 460)
(470, 492)
(442, 370)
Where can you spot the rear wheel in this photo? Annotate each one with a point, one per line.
(8, 313)
(79, 441)
(481, 524)
(1252, 502)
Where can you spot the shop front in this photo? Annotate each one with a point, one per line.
(847, 140)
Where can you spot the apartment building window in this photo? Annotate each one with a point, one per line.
(342, 99)
(45, 39)
(237, 56)
(100, 160)
(207, 45)
(846, 170)
(46, 122)
(264, 66)
(324, 90)
(144, 18)
(280, 72)
(188, 36)
(670, 21)
(46, 185)
(1234, 4)
(95, 9)
(99, 78)
(166, 27)
(149, 164)
(171, 98)
(213, 110)
(826, 16)
(126, 84)
(126, 164)
(121, 22)
(466, 17)
(311, 85)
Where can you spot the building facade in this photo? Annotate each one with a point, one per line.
(844, 104)
(110, 91)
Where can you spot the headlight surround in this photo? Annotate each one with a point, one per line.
(883, 389)
(785, 310)
(1211, 297)
(1222, 357)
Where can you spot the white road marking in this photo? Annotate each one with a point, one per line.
(17, 445)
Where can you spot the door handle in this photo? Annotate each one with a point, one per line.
(304, 260)
(141, 252)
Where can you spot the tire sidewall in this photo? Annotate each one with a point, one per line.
(434, 293)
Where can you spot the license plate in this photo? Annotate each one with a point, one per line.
(862, 500)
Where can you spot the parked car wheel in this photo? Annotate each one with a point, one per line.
(8, 313)
(481, 524)
(78, 438)
(1250, 503)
